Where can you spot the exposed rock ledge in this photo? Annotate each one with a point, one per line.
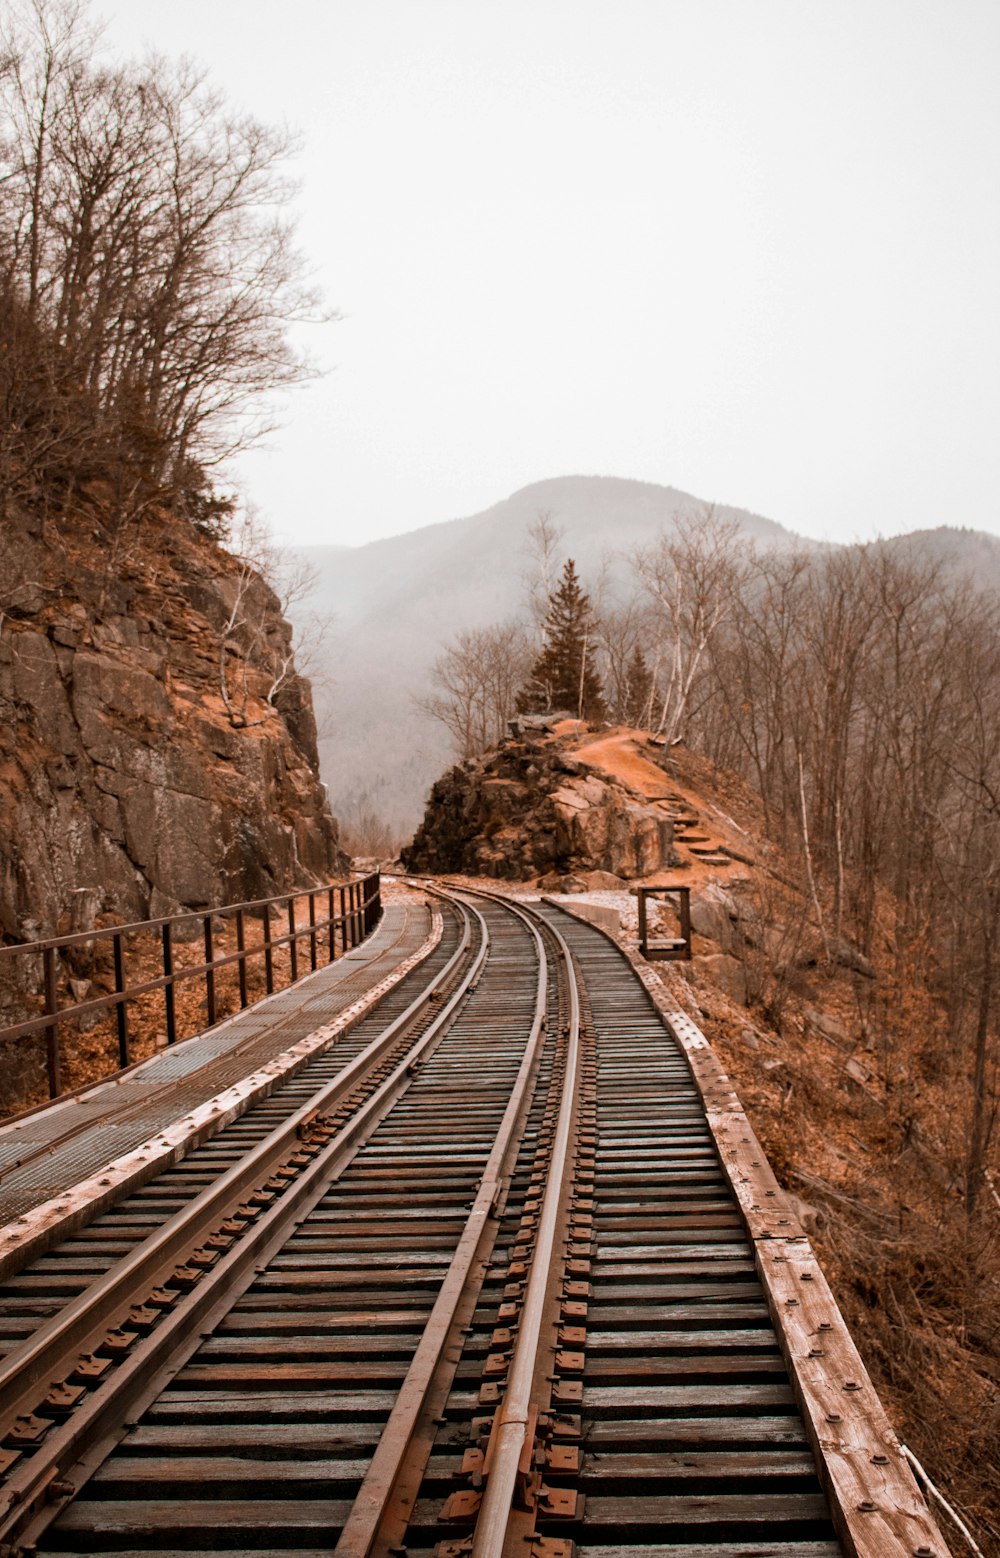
(530, 809)
(120, 769)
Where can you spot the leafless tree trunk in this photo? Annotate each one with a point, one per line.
(477, 678)
(690, 576)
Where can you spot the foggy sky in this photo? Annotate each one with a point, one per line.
(749, 248)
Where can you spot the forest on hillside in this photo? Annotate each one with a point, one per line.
(857, 690)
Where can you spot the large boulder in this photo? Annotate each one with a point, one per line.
(531, 809)
(724, 972)
(714, 916)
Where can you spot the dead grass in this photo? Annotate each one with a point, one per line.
(88, 1048)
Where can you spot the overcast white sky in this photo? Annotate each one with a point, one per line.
(749, 248)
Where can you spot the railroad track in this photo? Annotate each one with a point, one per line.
(487, 1292)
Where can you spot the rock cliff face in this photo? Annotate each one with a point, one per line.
(121, 768)
(531, 809)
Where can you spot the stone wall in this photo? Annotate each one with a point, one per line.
(531, 809)
(120, 769)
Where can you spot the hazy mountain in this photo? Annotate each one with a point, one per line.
(956, 551)
(396, 602)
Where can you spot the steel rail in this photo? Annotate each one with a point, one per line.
(36, 1491)
(514, 1413)
(34, 1359)
(877, 1508)
(372, 1501)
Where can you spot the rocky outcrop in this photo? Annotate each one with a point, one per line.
(121, 769)
(530, 809)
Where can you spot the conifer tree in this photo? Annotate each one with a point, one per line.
(564, 676)
(639, 688)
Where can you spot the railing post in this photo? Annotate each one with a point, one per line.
(209, 973)
(643, 938)
(293, 945)
(685, 917)
(343, 919)
(121, 1009)
(268, 952)
(331, 916)
(312, 930)
(241, 947)
(52, 1032)
(168, 974)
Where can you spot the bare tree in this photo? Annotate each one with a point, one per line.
(544, 539)
(623, 633)
(690, 576)
(968, 860)
(477, 678)
(144, 229)
(257, 659)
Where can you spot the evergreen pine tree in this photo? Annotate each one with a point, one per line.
(564, 676)
(639, 686)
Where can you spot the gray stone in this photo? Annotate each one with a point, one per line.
(723, 971)
(713, 913)
(599, 914)
(826, 1027)
(811, 1217)
(604, 881)
(848, 956)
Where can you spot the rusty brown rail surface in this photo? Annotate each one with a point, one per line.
(337, 912)
(513, 1294)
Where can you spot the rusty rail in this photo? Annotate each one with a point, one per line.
(349, 912)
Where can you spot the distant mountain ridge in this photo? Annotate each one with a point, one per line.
(399, 600)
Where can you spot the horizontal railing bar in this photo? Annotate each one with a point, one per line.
(134, 927)
(357, 896)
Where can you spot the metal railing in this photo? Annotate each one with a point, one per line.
(315, 925)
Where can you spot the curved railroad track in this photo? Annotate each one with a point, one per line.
(481, 1285)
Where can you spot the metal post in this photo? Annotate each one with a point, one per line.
(241, 947)
(293, 945)
(343, 920)
(268, 954)
(643, 942)
(121, 1010)
(52, 1031)
(332, 927)
(312, 931)
(685, 918)
(209, 973)
(168, 988)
